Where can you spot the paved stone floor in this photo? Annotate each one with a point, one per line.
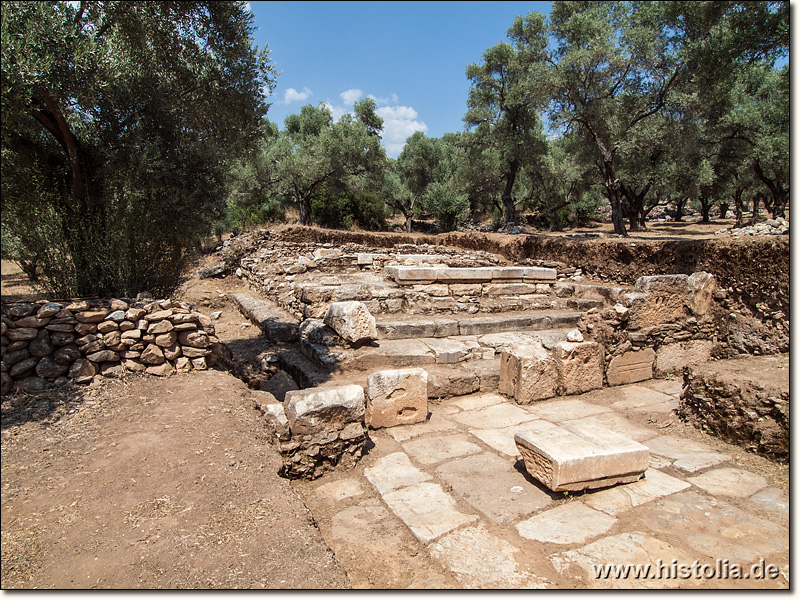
(448, 504)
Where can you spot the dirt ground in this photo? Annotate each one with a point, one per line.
(168, 483)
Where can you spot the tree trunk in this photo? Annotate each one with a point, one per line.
(680, 204)
(756, 201)
(304, 208)
(509, 210)
(723, 210)
(612, 185)
(705, 208)
(409, 220)
(738, 203)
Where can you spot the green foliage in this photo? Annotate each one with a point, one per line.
(447, 205)
(114, 119)
(347, 210)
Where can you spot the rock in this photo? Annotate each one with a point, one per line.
(672, 358)
(5, 383)
(32, 384)
(22, 310)
(47, 368)
(631, 367)
(112, 338)
(82, 371)
(352, 321)
(183, 364)
(580, 366)
(22, 367)
(528, 373)
(22, 333)
(171, 352)
(702, 286)
(152, 355)
(32, 322)
(107, 327)
(49, 309)
(195, 339)
(131, 334)
(191, 352)
(134, 314)
(117, 315)
(15, 356)
(62, 339)
(396, 397)
(103, 356)
(213, 271)
(575, 457)
(85, 328)
(318, 410)
(199, 364)
(158, 315)
(165, 369)
(274, 414)
(112, 370)
(165, 340)
(66, 355)
(574, 335)
(160, 327)
(92, 316)
(134, 365)
(280, 383)
(116, 304)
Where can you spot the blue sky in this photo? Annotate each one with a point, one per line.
(409, 56)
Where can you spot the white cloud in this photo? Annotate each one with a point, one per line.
(292, 95)
(350, 96)
(399, 123)
(392, 99)
(336, 111)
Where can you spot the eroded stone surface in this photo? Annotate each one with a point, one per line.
(686, 454)
(352, 321)
(672, 358)
(573, 457)
(617, 500)
(631, 367)
(580, 366)
(314, 410)
(481, 560)
(427, 510)
(528, 373)
(396, 397)
(493, 486)
(729, 482)
(494, 417)
(429, 450)
(393, 472)
(571, 523)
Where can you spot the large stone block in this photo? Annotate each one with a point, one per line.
(575, 457)
(352, 321)
(397, 397)
(528, 373)
(631, 367)
(580, 366)
(657, 299)
(273, 412)
(701, 292)
(319, 410)
(672, 358)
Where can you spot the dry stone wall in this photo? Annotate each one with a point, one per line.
(52, 343)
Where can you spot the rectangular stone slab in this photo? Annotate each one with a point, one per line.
(574, 457)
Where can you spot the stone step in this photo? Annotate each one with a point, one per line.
(303, 370)
(436, 326)
(277, 324)
(410, 275)
(420, 352)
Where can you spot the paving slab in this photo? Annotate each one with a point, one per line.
(429, 450)
(729, 482)
(493, 486)
(716, 528)
(617, 422)
(617, 500)
(623, 549)
(495, 417)
(557, 411)
(687, 455)
(773, 501)
(393, 472)
(501, 439)
(427, 510)
(638, 396)
(671, 387)
(481, 560)
(570, 457)
(446, 351)
(570, 523)
(437, 423)
(478, 401)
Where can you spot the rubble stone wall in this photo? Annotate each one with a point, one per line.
(50, 343)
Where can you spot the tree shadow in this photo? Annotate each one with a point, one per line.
(45, 407)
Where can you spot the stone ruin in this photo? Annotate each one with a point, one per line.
(413, 324)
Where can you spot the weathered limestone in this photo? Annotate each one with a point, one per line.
(277, 324)
(631, 367)
(396, 397)
(317, 410)
(672, 358)
(657, 299)
(701, 292)
(573, 457)
(417, 275)
(274, 414)
(352, 321)
(528, 373)
(580, 366)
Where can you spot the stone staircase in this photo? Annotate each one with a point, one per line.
(454, 321)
